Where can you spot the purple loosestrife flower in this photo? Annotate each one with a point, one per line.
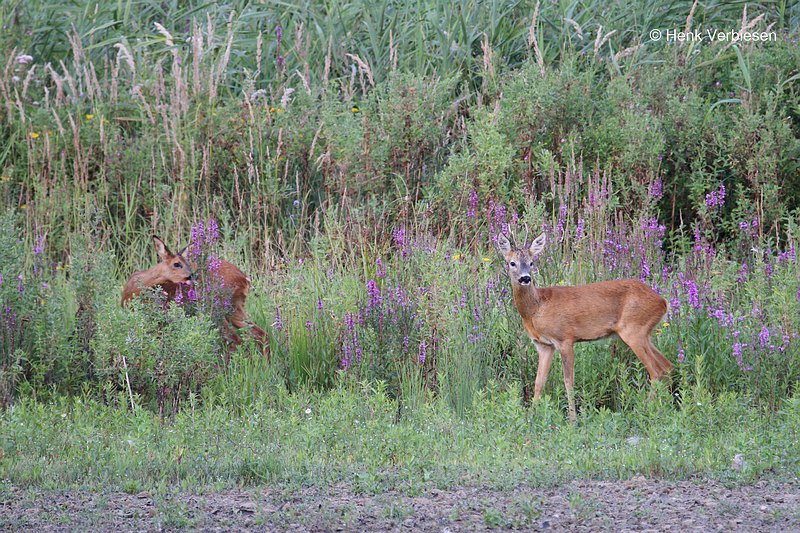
(214, 265)
(579, 229)
(346, 357)
(763, 337)
(423, 351)
(675, 301)
(742, 274)
(645, 269)
(737, 353)
(681, 355)
(1, 279)
(473, 203)
(476, 314)
(789, 255)
(278, 322)
(652, 228)
(499, 214)
(399, 238)
(656, 189)
(562, 218)
(179, 295)
(198, 236)
(38, 247)
(381, 270)
(212, 236)
(279, 60)
(724, 319)
(693, 294)
(716, 198)
(374, 294)
(319, 304)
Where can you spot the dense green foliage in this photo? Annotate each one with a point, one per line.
(359, 159)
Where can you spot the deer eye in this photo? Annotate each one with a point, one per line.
(512, 263)
(531, 263)
(177, 265)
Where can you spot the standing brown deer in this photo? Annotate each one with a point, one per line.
(174, 270)
(557, 317)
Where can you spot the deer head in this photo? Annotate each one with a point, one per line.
(520, 261)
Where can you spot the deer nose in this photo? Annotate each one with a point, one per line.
(525, 280)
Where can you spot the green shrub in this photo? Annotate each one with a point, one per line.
(155, 351)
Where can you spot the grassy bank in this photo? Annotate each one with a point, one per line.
(361, 437)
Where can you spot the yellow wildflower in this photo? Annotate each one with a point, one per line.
(5, 178)
(456, 257)
(271, 109)
(666, 324)
(24, 206)
(355, 109)
(34, 135)
(89, 117)
(487, 259)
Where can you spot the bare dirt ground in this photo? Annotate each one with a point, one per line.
(637, 504)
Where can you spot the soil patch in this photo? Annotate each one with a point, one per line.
(636, 504)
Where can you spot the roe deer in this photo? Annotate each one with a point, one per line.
(174, 270)
(557, 317)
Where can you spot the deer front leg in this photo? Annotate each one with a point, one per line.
(545, 352)
(568, 362)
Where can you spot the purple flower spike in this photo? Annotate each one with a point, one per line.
(38, 247)
(763, 337)
(473, 203)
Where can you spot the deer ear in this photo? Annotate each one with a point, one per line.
(161, 249)
(537, 246)
(503, 246)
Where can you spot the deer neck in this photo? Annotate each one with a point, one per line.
(526, 299)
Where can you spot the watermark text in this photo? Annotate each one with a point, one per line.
(711, 35)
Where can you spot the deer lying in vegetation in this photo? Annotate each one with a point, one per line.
(174, 271)
(557, 317)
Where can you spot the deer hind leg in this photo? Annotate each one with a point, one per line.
(640, 345)
(231, 337)
(568, 363)
(239, 320)
(656, 364)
